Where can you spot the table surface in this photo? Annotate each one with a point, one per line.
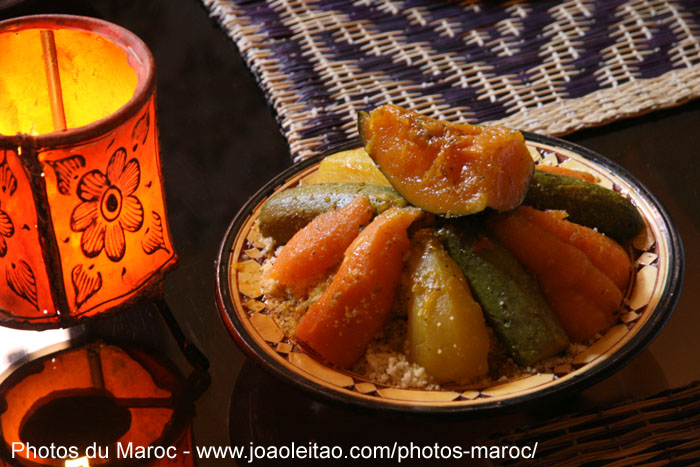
(220, 143)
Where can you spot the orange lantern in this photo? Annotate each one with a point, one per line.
(97, 404)
(83, 225)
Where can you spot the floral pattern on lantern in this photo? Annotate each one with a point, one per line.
(19, 276)
(109, 207)
(8, 182)
(108, 216)
(66, 170)
(154, 238)
(8, 185)
(7, 229)
(111, 210)
(86, 283)
(24, 285)
(21, 280)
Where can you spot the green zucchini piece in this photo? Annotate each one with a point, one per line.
(288, 211)
(586, 203)
(509, 296)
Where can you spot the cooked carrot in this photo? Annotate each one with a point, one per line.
(580, 174)
(582, 318)
(562, 270)
(341, 323)
(319, 246)
(604, 252)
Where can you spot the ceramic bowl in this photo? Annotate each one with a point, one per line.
(657, 254)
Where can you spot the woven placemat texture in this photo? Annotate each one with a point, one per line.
(545, 66)
(661, 430)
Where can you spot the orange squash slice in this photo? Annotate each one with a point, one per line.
(447, 168)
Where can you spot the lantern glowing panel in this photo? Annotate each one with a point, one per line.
(83, 225)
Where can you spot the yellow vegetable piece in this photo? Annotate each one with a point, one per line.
(353, 166)
(446, 331)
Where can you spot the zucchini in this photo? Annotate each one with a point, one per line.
(586, 204)
(509, 296)
(288, 211)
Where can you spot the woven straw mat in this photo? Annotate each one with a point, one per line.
(661, 430)
(545, 66)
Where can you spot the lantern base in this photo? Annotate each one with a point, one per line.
(194, 356)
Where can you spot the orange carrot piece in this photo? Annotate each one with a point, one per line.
(604, 252)
(563, 271)
(581, 175)
(319, 246)
(341, 323)
(582, 318)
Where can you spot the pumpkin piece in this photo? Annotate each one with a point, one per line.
(605, 254)
(319, 246)
(554, 169)
(447, 168)
(562, 270)
(446, 331)
(353, 166)
(341, 323)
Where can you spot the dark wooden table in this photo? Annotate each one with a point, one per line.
(220, 143)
